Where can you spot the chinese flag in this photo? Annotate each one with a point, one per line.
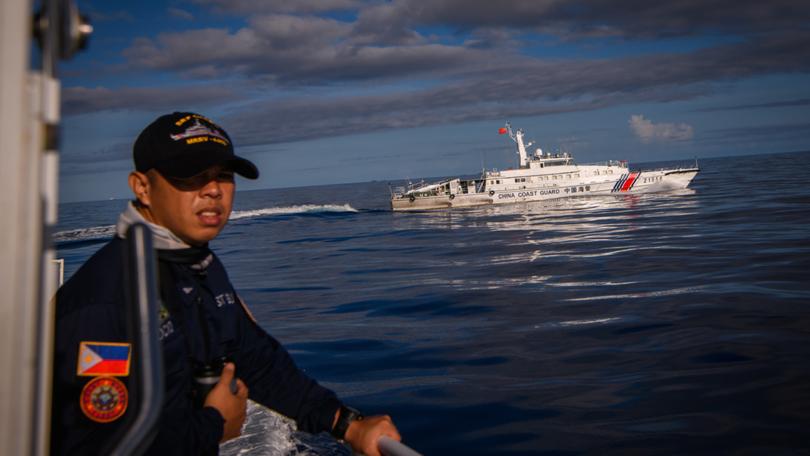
(502, 131)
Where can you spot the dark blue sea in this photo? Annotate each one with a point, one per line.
(671, 323)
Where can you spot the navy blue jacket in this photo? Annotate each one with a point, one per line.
(90, 308)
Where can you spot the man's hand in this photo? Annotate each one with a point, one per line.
(363, 435)
(232, 406)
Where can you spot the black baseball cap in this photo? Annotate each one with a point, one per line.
(184, 144)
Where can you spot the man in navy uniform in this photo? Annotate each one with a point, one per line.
(184, 187)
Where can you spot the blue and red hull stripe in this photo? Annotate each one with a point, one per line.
(626, 182)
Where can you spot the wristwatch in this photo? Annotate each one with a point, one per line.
(345, 418)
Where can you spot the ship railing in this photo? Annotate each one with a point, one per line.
(396, 192)
(414, 185)
(617, 163)
(419, 189)
(390, 447)
(401, 190)
(679, 168)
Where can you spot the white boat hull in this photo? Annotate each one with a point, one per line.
(540, 176)
(627, 183)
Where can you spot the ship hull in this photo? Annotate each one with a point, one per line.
(627, 183)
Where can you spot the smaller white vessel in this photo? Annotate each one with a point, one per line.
(540, 176)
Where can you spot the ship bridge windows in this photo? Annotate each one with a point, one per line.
(520, 179)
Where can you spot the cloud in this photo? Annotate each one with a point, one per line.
(397, 73)
(250, 7)
(647, 131)
(80, 100)
(473, 88)
(524, 88)
(292, 50)
(597, 18)
(194, 48)
(311, 50)
(180, 14)
(772, 104)
(316, 117)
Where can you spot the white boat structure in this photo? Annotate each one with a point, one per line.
(540, 176)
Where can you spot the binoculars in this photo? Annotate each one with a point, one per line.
(206, 377)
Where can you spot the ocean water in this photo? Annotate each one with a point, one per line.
(671, 323)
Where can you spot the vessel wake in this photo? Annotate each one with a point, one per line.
(104, 232)
(292, 210)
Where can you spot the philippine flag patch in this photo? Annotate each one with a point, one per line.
(103, 358)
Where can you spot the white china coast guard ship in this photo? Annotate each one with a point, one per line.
(539, 177)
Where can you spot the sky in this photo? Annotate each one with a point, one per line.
(332, 91)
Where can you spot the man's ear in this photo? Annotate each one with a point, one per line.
(139, 183)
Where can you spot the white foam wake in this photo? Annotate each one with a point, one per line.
(297, 209)
(83, 234)
(267, 433)
(108, 231)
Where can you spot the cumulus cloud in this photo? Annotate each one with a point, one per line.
(647, 131)
(292, 50)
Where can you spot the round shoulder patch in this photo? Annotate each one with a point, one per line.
(104, 399)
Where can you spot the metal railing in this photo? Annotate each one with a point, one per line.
(390, 447)
(146, 390)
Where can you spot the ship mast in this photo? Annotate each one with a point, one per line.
(517, 137)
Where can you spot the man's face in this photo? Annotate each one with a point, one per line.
(195, 209)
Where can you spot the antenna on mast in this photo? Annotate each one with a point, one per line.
(517, 137)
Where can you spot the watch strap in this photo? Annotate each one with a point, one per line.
(345, 418)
